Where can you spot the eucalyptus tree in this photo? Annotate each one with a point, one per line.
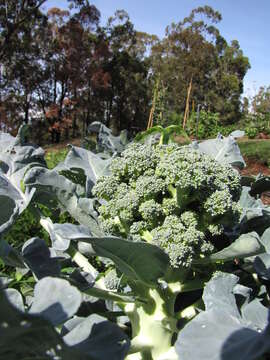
(22, 33)
(194, 53)
(127, 96)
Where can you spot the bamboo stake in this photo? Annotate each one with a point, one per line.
(151, 117)
(187, 104)
(152, 111)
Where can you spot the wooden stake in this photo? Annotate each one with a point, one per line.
(187, 104)
(152, 111)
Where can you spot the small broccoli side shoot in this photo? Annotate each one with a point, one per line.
(174, 197)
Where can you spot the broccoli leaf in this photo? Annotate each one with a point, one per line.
(50, 186)
(221, 332)
(132, 258)
(223, 149)
(245, 246)
(63, 300)
(83, 167)
(90, 334)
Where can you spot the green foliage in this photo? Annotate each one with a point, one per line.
(261, 103)
(167, 134)
(55, 157)
(200, 126)
(207, 125)
(26, 227)
(215, 67)
(153, 192)
(258, 150)
(173, 118)
(28, 224)
(203, 125)
(255, 124)
(177, 212)
(251, 132)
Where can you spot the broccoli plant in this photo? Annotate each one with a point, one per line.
(181, 201)
(162, 220)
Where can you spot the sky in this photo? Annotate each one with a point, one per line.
(244, 20)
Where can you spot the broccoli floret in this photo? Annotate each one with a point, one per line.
(170, 206)
(174, 197)
(111, 280)
(134, 161)
(181, 240)
(219, 203)
(149, 187)
(106, 187)
(137, 228)
(151, 212)
(112, 226)
(215, 229)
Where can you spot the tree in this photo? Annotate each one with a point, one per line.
(127, 96)
(71, 57)
(261, 101)
(194, 54)
(22, 32)
(15, 17)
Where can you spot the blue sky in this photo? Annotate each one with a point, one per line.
(244, 20)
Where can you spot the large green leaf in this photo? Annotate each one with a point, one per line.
(10, 256)
(62, 234)
(223, 149)
(245, 246)
(137, 260)
(106, 141)
(260, 185)
(265, 240)
(39, 258)
(27, 336)
(50, 185)
(61, 302)
(255, 215)
(83, 167)
(98, 338)
(16, 158)
(262, 266)
(220, 332)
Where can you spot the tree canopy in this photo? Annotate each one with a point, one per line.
(62, 70)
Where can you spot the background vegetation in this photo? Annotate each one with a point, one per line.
(62, 70)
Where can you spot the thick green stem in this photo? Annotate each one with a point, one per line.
(153, 324)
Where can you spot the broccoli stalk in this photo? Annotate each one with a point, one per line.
(153, 324)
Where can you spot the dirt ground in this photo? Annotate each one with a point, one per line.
(254, 167)
(62, 145)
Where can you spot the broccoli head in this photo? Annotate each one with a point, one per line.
(174, 197)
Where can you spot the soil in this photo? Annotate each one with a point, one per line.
(62, 145)
(254, 167)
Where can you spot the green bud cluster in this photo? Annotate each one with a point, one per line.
(174, 197)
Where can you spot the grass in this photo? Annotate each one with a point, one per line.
(258, 150)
